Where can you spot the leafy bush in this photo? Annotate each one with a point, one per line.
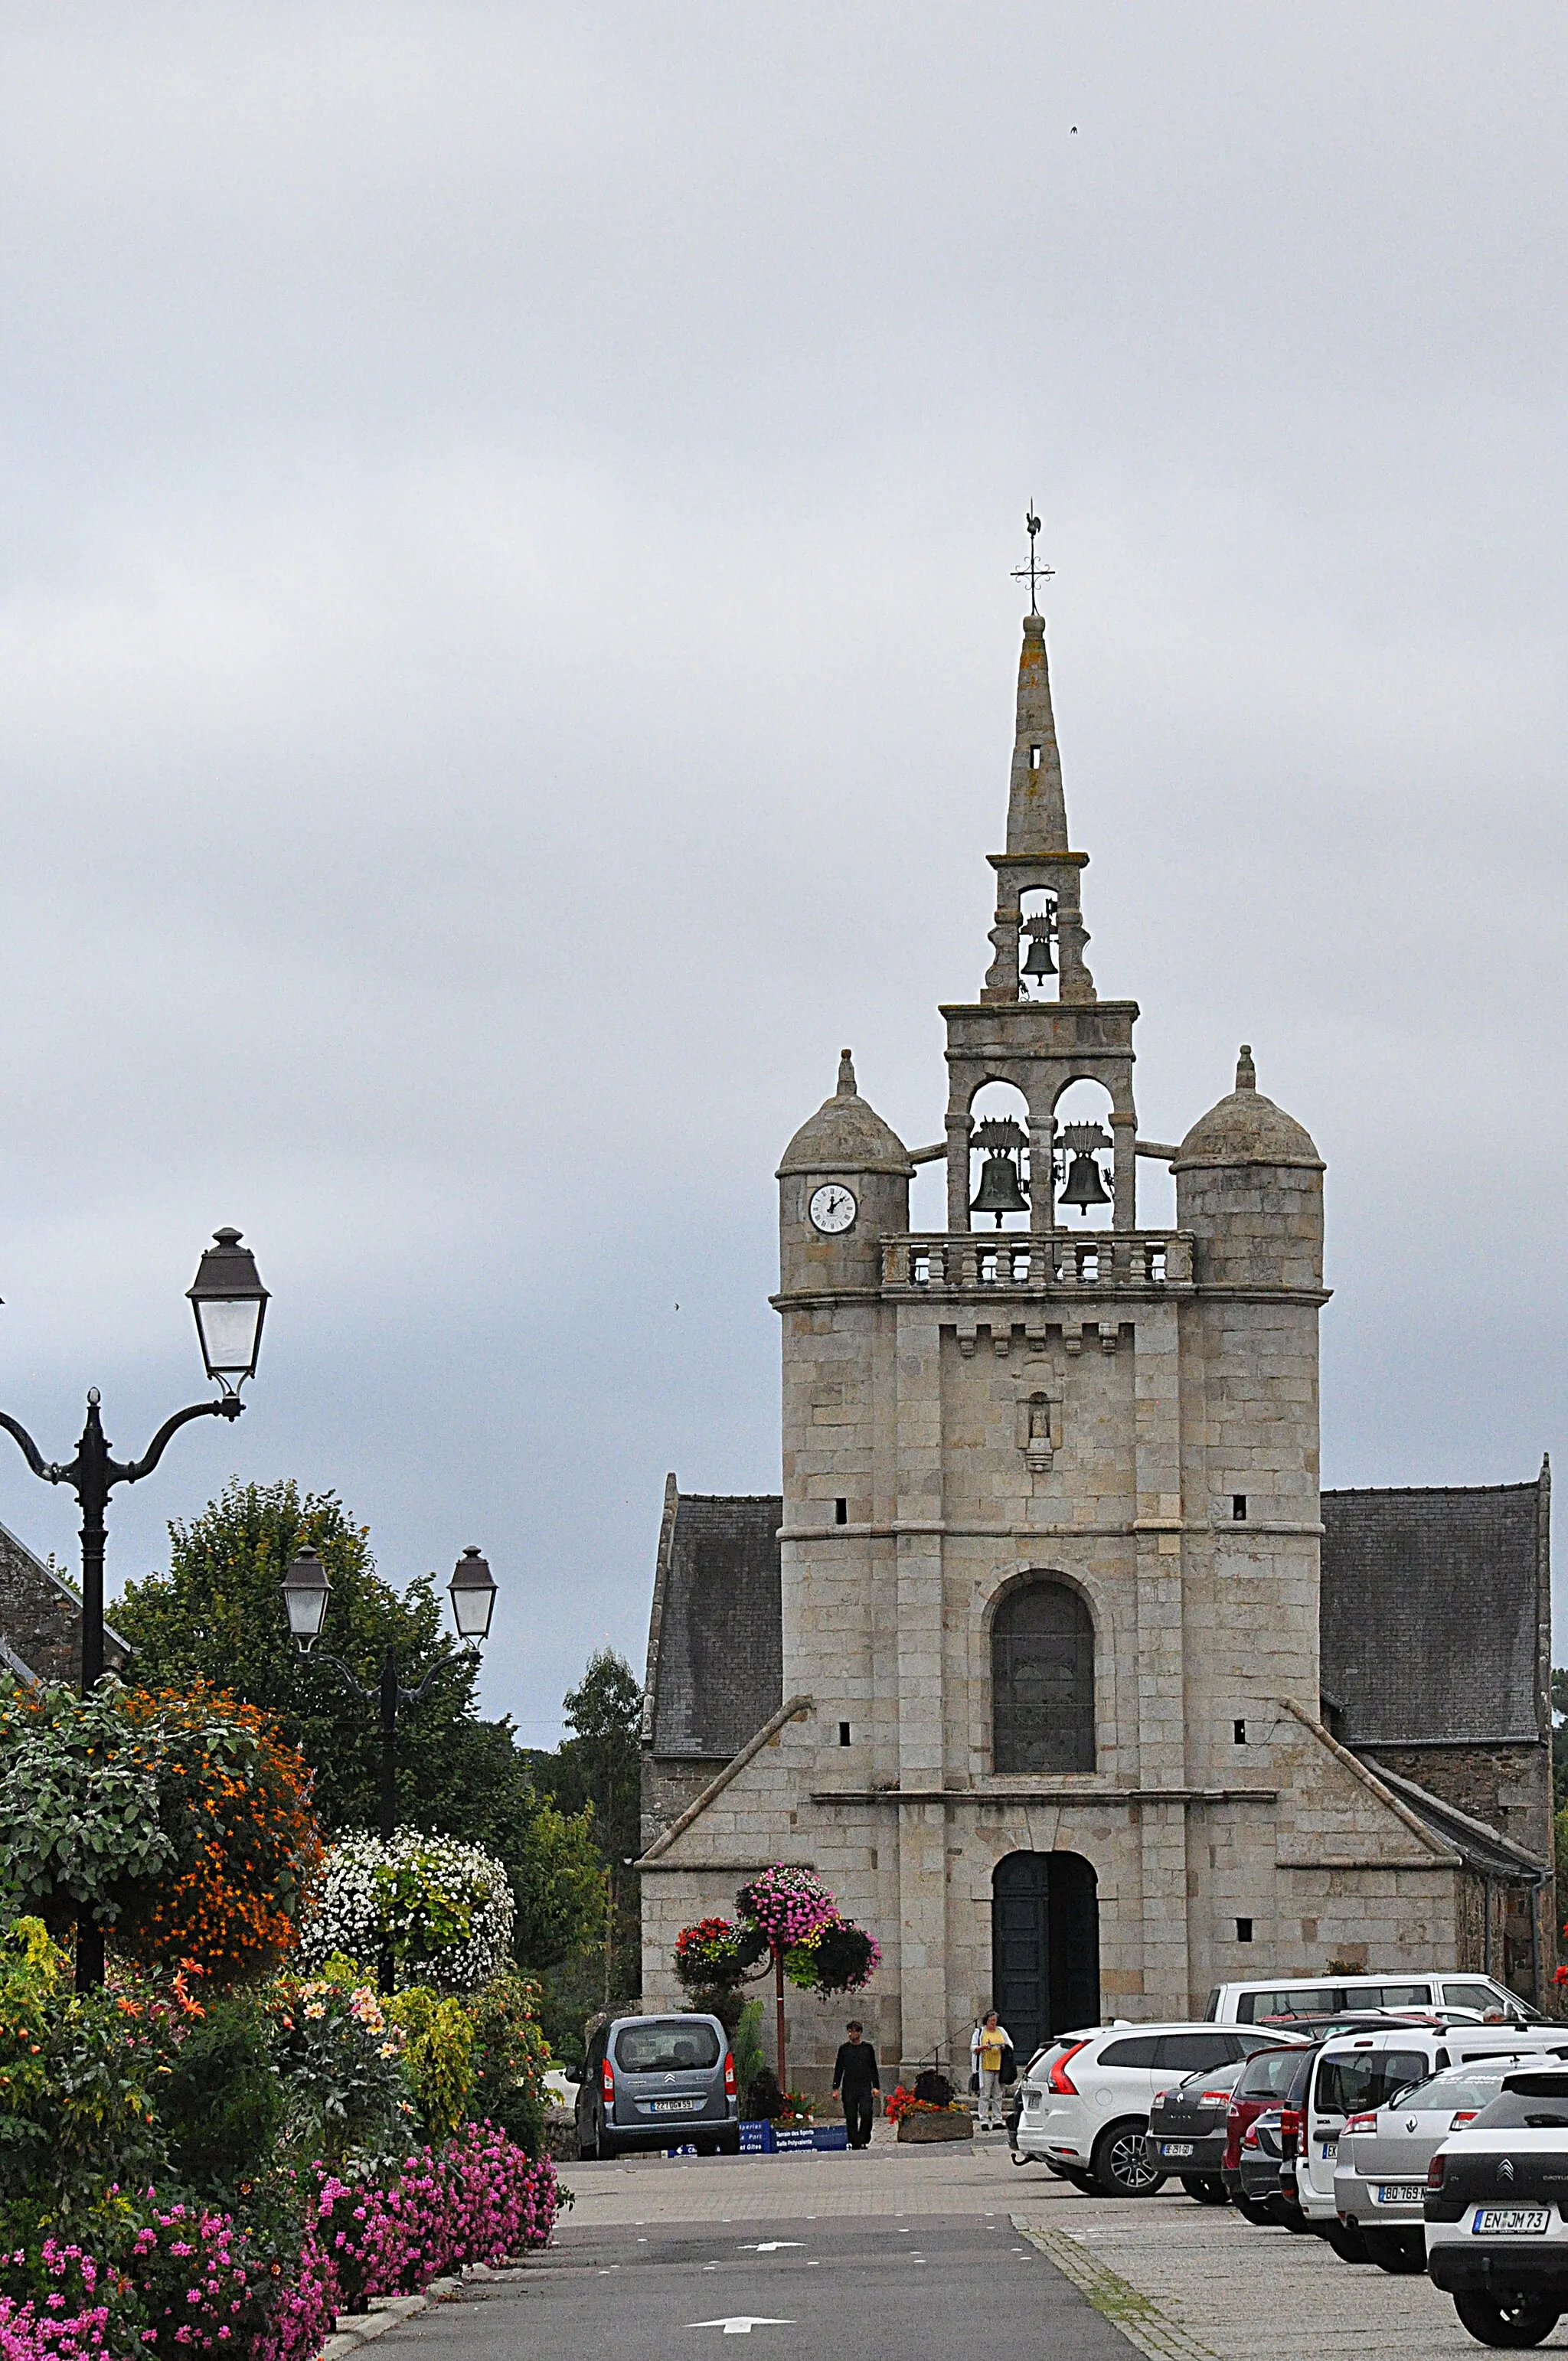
(746, 2041)
(438, 2058)
(339, 2063)
(764, 2101)
(180, 1823)
(444, 1907)
(76, 2079)
(219, 2105)
(511, 2057)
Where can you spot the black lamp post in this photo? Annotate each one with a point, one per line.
(305, 1594)
(230, 1304)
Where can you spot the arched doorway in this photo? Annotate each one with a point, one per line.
(1045, 1945)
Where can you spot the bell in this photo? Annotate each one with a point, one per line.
(1000, 1190)
(1084, 1187)
(1039, 961)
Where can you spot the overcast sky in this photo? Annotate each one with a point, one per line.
(508, 651)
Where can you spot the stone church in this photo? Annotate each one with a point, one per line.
(1052, 1659)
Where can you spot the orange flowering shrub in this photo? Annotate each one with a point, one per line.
(182, 1822)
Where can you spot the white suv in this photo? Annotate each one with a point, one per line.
(1084, 2102)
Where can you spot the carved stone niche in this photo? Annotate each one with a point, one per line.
(1037, 1428)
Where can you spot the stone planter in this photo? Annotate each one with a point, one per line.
(937, 2123)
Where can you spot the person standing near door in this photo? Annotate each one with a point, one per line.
(989, 2046)
(855, 2075)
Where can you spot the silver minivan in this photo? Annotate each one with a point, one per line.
(1286, 1996)
(657, 2081)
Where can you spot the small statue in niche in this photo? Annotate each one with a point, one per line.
(1035, 1433)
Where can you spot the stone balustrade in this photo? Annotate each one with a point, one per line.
(1027, 1262)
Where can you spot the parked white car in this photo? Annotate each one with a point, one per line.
(1247, 2003)
(1496, 2228)
(1380, 2169)
(1084, 2104)
(1356, 2073)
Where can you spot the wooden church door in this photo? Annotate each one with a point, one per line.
(1045, 1945)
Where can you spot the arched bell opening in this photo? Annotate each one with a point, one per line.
(1045, 1945)
(1083, 1162)
(1038, 965)
(998, 1159)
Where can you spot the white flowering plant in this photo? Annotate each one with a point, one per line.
(443, 1907)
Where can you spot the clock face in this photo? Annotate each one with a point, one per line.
(833, 1207)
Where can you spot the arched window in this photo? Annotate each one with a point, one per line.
(1042, 1680)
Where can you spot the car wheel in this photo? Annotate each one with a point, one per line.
(1347, 2242)
(1206, 2188)
(1121, 2166)
(1514, 2320)
(1292, 2217)
(1255, 2211)
(588, 2141)
(1396, 2251)
(1082, 2182)
(609, 2147)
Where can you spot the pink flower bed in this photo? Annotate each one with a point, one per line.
(477, 2200)
(474, 2201)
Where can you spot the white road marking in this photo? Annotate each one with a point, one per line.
(769, 2245)
(741, 2324)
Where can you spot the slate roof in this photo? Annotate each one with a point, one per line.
(716, 1634)
(1481, 1848)
(1436, 1614)
(40, 1619)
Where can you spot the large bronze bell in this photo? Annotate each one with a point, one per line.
(1084, 1187)
(1000, 1190)
(1039, 933)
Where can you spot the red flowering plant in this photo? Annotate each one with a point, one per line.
(707, 1956)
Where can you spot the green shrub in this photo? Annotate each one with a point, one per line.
(746, 2043)
(220, 2106)
(439, 2057)
(511, 2055)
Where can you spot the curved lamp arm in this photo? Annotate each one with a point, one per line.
(229, 1406)
(346, 1674)
(30, 1450)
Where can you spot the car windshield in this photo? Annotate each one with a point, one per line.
(1212, 2077)
(1460, 2087)
(1369, 2078)
(1539, 2106)
(1267, 2074)
(663, 2045)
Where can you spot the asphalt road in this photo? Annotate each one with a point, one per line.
(847, 2288)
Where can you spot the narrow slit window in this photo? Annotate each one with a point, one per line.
(1034, 758)
(840, 1512)
(1244, 1930)
(1238, 1730)
(843, 1733)
(1238, 1508)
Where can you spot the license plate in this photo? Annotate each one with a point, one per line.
(1331, 2147)
(1511, 2221)
(1401, 2192)
(1175, 2147)
(674, 2106)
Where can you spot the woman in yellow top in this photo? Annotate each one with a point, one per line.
(987, 2046)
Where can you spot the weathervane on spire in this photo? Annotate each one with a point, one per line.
(1033, 573)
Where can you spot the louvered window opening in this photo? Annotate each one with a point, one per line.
(1042, 1679)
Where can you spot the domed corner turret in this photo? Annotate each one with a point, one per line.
(843, 1183)
(1249, 1185)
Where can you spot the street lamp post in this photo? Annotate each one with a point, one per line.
(230, 1304)
(306, 1591)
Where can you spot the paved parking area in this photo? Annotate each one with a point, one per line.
(1172, 2279)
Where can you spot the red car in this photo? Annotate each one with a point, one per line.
(1263, 2082)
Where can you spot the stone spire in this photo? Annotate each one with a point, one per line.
(1037, 813)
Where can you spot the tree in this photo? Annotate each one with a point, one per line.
(218, 1615)
(600, 1765)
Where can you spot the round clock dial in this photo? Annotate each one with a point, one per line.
(833, 1207)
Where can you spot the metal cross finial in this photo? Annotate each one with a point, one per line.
(1033, 573)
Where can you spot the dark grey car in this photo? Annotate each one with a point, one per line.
(657, 2081)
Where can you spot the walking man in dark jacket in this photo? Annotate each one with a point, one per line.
(855, 2074)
